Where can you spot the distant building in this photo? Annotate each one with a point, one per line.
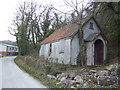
(63, 45)
(6, 49)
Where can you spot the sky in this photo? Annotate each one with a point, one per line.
(8, 10)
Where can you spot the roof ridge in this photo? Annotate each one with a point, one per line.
(65, 31)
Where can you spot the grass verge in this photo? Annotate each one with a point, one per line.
(40, 68)
(35, 73)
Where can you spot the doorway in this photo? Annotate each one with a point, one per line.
(98, 52)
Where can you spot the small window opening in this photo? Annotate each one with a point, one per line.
(91, 26)
(50, 49)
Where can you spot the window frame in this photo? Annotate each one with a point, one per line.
(91, 26)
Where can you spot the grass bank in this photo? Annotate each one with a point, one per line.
(40, 68)
(35, 72)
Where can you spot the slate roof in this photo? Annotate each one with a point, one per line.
(67, 31)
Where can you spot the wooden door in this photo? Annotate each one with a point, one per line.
(98, 52)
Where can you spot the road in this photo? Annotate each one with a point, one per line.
(14, 77)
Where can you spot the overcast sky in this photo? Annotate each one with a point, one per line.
(8, 9)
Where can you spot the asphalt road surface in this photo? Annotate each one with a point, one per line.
(14, 77)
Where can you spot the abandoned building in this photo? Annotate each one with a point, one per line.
(63, 45)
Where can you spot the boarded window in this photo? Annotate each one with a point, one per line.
(91, 26)
(62, 47)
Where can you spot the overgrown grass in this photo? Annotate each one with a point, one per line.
(40, 68)
(36, 73)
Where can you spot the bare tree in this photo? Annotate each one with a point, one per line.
(32, 23)
(79, 12)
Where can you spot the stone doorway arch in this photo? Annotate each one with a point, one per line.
(98, 52)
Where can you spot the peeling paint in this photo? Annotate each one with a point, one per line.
(66, 50)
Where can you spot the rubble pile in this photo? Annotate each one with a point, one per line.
(101, 77)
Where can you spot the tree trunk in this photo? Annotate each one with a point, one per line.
(81, 58)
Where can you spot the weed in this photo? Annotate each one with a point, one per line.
(39, 68)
